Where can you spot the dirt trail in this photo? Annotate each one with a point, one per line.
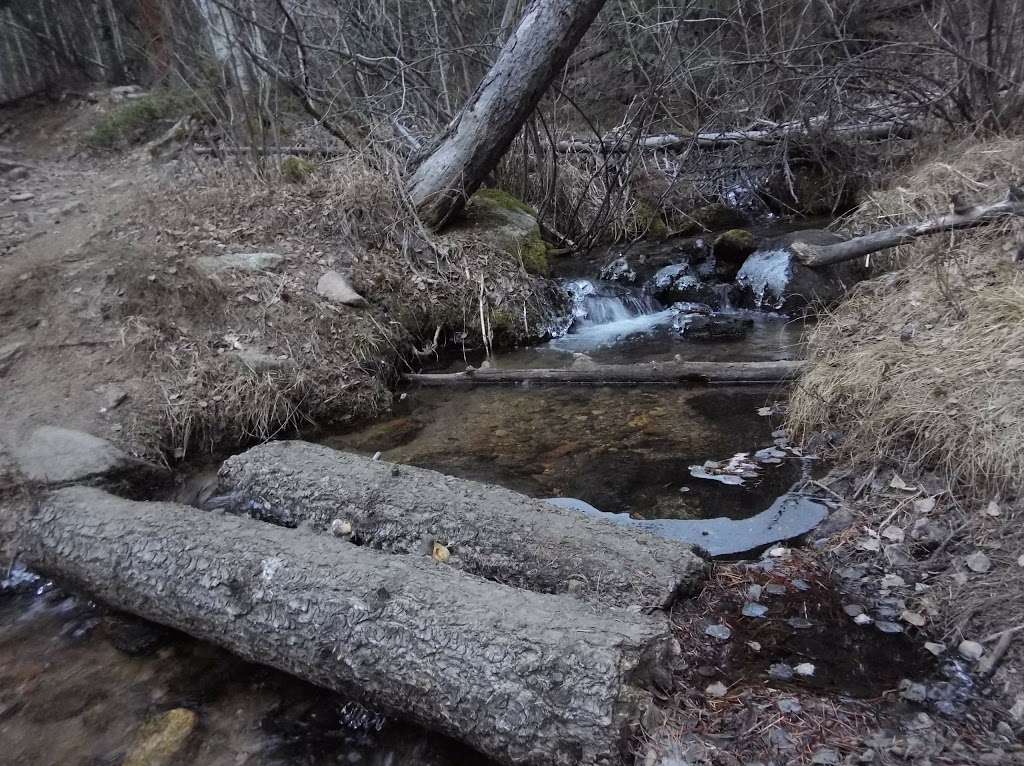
(56, 367)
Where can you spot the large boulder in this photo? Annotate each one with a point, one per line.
(772, 279)
(731, 248)
(505, 223)
(58, 456)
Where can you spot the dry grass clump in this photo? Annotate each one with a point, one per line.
(925, 365)
(316, 363)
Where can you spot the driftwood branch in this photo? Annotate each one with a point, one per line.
(525, 678)
(675, 372)
(489, 531)
(823, 255)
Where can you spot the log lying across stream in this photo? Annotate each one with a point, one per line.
(525, 678)
(488, 531)
(728, 373)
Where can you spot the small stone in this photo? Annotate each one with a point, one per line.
(913, 618)
(869, 544)
(804, 669)
(717, 689)
(22, 197)
(993, 509)
(163, 739)
(913, 692)
(776, 589)
(245, 262)
(780, 671)
(754, 592)
(755, 646)
(852, 610)
(863, 619)
(971, 650)
(893, 581)
(720, 631)
(801, 585)
(753, 609)
(337, 289)
(889, 627)
(893, 533)
(935, 648)
(799, 623)
(978, 562)
(779, 552)
(341, 528)
(788, 705)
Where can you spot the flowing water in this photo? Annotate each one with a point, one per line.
(68, 696)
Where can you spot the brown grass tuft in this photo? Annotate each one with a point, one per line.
(924, 365)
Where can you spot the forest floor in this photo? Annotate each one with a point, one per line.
(108, 325)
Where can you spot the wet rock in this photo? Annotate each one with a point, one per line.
(133, 636)
(244, 262)
(619, 270)
(336, 288)
(772, 279)
(53, 455)
(676, 284)
(705, 328)
(731, 249)
(162, 739)
(692, 308)
(719, 631)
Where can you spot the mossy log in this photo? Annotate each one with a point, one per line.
(486, 530)
(524, 678)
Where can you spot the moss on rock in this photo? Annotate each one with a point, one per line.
(508, 224)
(296, 170)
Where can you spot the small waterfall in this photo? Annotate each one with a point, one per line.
(600, 304)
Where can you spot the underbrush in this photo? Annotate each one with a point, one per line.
(138, 119)
(319, 363)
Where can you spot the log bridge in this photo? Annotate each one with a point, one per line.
(532, 633)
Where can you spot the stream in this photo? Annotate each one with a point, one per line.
(705, 464)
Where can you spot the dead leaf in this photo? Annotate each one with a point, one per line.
(993, 509)
(440, 553)
(717, 689)
(893, 581)
(924, 505)
(897, 483)
(893, 533)
(869, 544)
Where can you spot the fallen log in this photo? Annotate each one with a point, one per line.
(729, 373)
(726, 138)
(522, 677)
(488, 531)
(975, 215)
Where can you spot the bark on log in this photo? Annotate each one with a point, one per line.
(726, 373)
(524, 678)
(488, 531)
(823, 255)
(475, 141)
(724, 138)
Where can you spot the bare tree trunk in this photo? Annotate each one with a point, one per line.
(524, 678)
(474, 142)
(823, 255)
(726, 373)
(487, 531)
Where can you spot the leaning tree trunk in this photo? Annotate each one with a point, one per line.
(475, 141)
(486, 530)
(524, 678)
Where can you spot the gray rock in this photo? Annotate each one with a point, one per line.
(245, 262)
(53, 455)
(772, 279)
(780, 671)
(674, 284)
(719, 631)
(750, 609)
(337, 289)
(113, 396)
(619, 270)
(9, 353)
(705, 328)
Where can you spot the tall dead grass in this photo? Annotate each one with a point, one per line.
(924, 365)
